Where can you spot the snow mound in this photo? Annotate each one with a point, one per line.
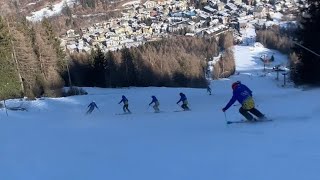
(257, 44)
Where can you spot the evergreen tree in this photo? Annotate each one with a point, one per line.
(128, 68)
(308, 70)
(99, 69)
(110, 69)
(67, 10)
(9, 82)
(55, 42)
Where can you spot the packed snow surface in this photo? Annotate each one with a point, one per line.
(54, 139)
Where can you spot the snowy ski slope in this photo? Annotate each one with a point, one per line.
(55, 140)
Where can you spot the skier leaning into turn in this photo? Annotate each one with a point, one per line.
(243, 95)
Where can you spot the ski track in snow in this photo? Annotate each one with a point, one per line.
(56, 140)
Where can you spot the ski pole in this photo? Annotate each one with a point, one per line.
(225, 117)
(179, 105)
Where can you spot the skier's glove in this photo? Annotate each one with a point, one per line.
(224, 109)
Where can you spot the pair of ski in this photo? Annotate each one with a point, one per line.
(124, 113)
(182, 110)
(246, 121)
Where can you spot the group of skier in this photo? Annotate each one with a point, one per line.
(155, 102)
(241, 93)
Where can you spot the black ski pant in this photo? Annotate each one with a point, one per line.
(90, 110)
(126, 107)
(185, 107)
(156, 108)
(248, 116)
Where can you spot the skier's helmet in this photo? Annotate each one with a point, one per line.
(235, 84)
(123, 96)
(153, 96)
(181, 94)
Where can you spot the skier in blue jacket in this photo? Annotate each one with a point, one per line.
(184, 101)
(156, 104)
(125, 104)
(243, 95)
(91, 107)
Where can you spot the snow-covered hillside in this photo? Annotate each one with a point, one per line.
(48, 11)
(56, 140)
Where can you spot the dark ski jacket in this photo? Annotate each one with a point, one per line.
(240, 94)
(182, 98)
(154, 100)
(124, 100)
(93, 105)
